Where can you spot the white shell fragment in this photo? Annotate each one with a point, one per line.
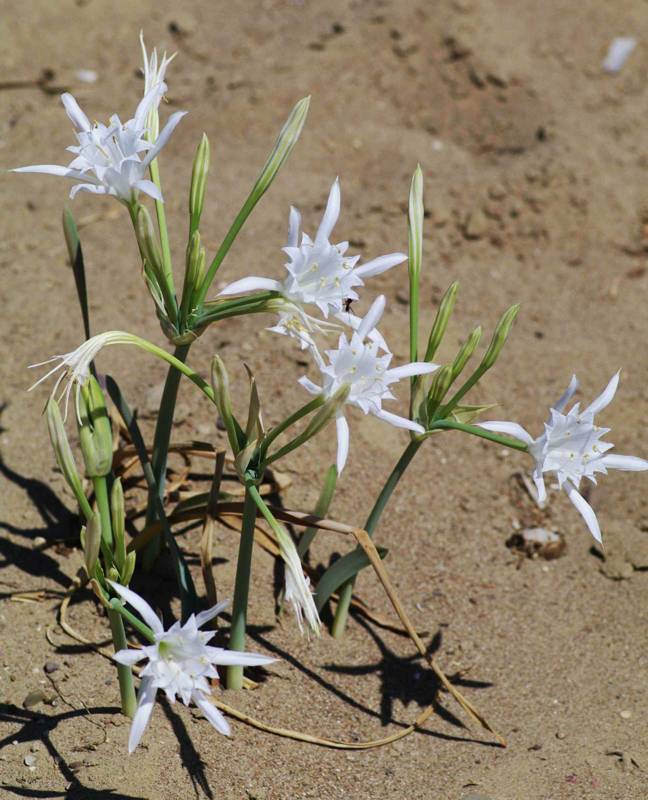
(86, 75)
(618, 52)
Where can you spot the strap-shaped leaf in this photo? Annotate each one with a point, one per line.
(341, 571)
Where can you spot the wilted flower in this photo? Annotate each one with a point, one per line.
(180, 662)
(107, 157)
(357, 364)
(319, 272)
(572, 447)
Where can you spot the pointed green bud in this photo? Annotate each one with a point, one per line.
(95, 434)
(113, 575)
(220, 385)
(441, 320)
(287, 139)
(118, 516)
(441, 381)
(128, 569)
(499, 337)
(466, 414)
(146, 239)
(254, 428)
(198, 182)
(327, 412)
(91, 543)
(194, 274)
(415, 257)
(64, 456)
(465, 352)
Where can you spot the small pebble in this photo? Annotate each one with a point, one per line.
(51, 666)
(625, 714)
(561, 735)
(39, 542)
(29, 760)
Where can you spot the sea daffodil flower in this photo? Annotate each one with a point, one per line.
(108, 157)
(319, 272)
(357, 363)
(572, 447)
(180, 662)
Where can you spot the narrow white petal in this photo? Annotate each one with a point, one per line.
(240, 658)
(204, 616)
(128, 656)
(585, 510)
(308, 384)
(87, 187)
(606, 396)
(294, 225)
(399, 422)
(140, 605)
(538, 479)
(163, 138)
(151, 98)
(567, 395)
(372, 317)
(212, 713)
(626, 463)
(331, 214)
(251, 284)
(55, 169)
(342, 428)
(149, 188)
(381, 264)
(414, 368)
(74, 112)
(145, 701)
(507, 428)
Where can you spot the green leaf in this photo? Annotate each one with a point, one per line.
(78, 268)
(340, 572)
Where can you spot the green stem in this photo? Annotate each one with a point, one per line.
(475, 430)
(161, 442)
(124, 672)
(346, 590)
(116, 605)
(242, 587)
(103, 506)
(313, 405)
(164, 231)
(321, 509)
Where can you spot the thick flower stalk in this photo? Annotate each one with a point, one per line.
(113, 159)
(572, 447)
(319, 273)
(180, 662)
(358, 364)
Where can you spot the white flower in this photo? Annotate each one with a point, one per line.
(572, 447)
(297, 591)
(107, 157)
(154, 75)
(180, 662)
(75, 366)
(319, 272)
(357, 363)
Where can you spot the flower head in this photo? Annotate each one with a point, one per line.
(572, 447)
(113, 159)
(297, 591)
(319, 273)
(75, 366)
(358, 363)
(180, 662)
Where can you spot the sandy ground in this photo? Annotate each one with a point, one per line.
(535, 168)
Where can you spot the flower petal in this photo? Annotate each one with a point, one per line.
(204, 616)
(128, 656)
(567, 395)
(342, 428)
(331, 214)
(308, 384)
(414, 368)
(538, 479)
(399, 422)
(508, 428)
(74, 112)
(56, 169)
(585, 510)
(145, 701)
(606, 396)
(165, 135)
(372, 317)
(381, 264)
(140, 605)
(240, 658)
(149, 188)
(251, 284)
(294, 224)
(212, 713)
(626, 463)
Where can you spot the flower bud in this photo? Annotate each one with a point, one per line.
(146, 240)
(95, 434)
(64, 456)
(499, 337)
(220, 385)
(118, 514)
(466, 351)
(198, 182)
(441, 382)
(441, 320)
(91, 541)
(416, 225)
(327, 412)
